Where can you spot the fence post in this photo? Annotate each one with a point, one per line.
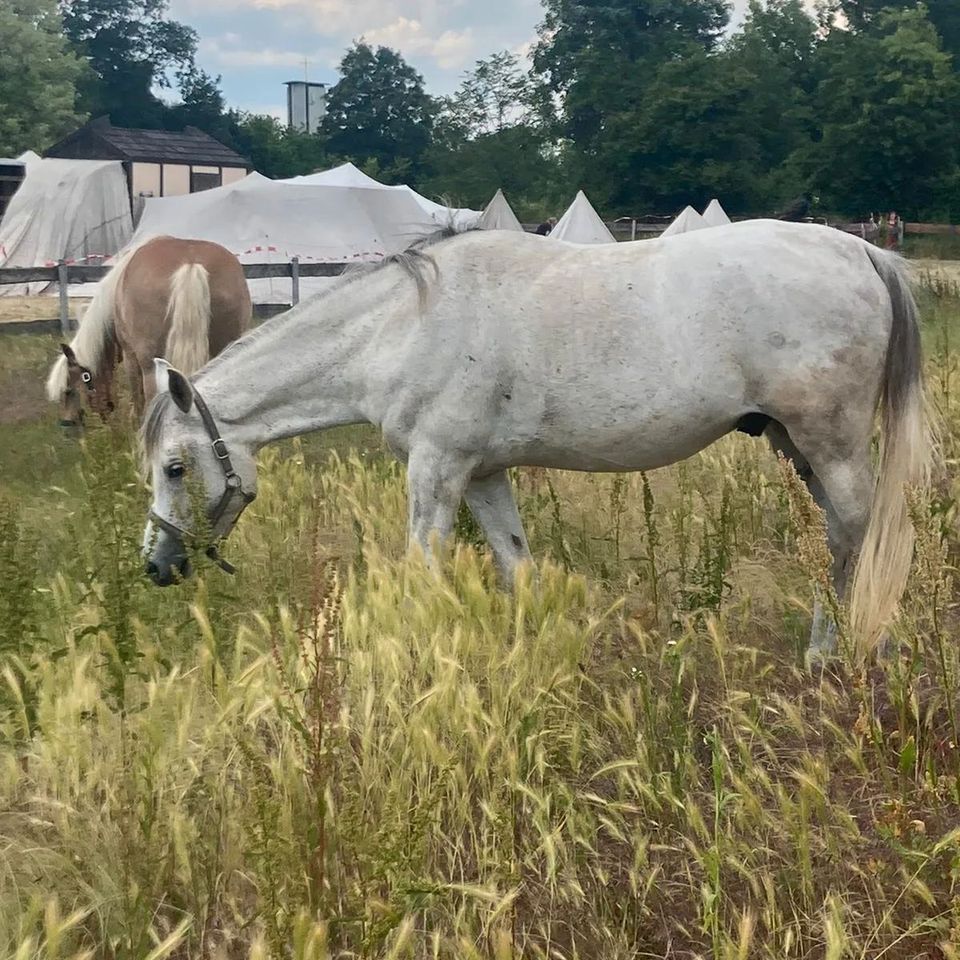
(64, 302)
(295, 278)
(633, 229)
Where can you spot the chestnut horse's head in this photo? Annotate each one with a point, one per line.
(83, 390)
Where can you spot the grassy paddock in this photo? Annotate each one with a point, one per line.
(337, 754)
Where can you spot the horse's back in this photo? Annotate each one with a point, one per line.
(583, 348)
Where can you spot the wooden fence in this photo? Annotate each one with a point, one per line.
(63, 274)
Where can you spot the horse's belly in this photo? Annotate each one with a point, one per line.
(641, 446)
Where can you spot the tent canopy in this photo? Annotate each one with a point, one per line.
(688, 220)
(64, 210)
(581, 224)
(499, 215)
(715, 215)
(265, 221)
(347, 175)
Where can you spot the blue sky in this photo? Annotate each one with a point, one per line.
(255, 45)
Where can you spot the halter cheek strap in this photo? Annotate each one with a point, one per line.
(233, 486)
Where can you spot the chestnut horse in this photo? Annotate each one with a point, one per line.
(184, 300)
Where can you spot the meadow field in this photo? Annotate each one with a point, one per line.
(338, 754)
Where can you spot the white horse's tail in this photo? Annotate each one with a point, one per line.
(906, 456)
(93, 334)
(188, 314)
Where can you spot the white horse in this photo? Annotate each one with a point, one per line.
(515, 350)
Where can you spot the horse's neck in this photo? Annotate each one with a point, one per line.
(304, 370)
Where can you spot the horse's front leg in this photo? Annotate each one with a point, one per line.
(436, 481)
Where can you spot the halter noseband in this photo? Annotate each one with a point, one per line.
(233, 486)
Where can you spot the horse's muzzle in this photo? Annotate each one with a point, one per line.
(167, 574)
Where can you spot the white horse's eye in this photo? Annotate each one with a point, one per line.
(175, 471)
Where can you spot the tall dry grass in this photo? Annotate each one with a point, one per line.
(340, 754)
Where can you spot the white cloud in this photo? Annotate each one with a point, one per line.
(239, 57)
(451, 49)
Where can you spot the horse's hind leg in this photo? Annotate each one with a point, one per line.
(494, 507)
(843, 488)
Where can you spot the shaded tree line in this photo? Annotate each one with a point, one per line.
(646, 104)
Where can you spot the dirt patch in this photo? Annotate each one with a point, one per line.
(23, 370)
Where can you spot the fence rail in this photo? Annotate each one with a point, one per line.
(63, 274)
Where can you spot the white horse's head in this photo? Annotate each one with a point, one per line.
(190, 464)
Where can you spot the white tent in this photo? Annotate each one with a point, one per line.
(347, 175)
(715, 215)
(265, 221)
(499, 215)
(64, 210)
(581, 224)
(688, 220)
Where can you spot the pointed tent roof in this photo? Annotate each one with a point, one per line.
(715, 215)
(499, 215)
(582, 224)
(688, 220)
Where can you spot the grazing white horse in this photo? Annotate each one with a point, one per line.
(515, 350)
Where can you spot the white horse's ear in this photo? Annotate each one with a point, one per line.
(161, 374)
(172, 380)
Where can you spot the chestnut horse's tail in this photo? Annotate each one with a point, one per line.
(188, 316)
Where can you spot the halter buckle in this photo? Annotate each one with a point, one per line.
(220, 449)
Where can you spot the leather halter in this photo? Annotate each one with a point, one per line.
(233, 486)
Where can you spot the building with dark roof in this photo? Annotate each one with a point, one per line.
(158, 163)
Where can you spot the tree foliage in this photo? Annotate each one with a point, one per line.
(888, 112)
(131, 48)
(38, 76)
(379, 111)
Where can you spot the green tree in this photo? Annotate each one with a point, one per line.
(943, 14)
(496, 94)
(776, 47)
(598, 58)
(379, 111)
(38, 76)
(888, 108)
(597, 54)
(491, 134)
(273, 149)
(132, 48)
(692, 136)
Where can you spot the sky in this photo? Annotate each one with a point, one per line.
(256, 45)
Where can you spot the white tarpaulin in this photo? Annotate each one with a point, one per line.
(499, 215)
(581, 224)
(688, 220)
(347, 175)
(715, 215)
(266, 221)
(71, 210)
